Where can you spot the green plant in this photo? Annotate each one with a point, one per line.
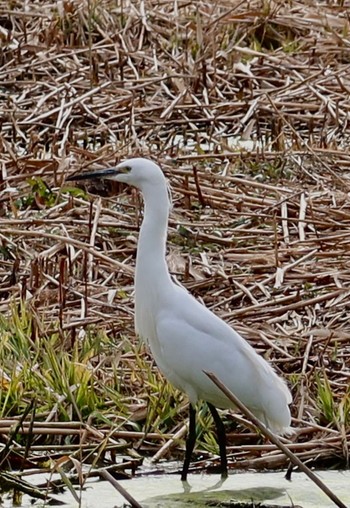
(36, 361)
(325, 399)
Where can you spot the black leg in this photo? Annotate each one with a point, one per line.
(288, 475)
(190, 442)
(221, 435)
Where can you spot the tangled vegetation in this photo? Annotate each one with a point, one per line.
(246, 107)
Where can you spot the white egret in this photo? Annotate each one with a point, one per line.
(184, 336)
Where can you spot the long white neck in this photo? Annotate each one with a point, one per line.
(151, 268)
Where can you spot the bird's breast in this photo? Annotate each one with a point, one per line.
(145, 322)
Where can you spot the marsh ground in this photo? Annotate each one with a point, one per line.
(246, 107)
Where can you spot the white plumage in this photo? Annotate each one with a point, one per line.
(184, 336)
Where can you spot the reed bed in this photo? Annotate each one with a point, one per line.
(246, 107)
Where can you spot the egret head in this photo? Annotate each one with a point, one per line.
(137, 172)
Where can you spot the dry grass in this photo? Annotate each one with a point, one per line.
(261, 234)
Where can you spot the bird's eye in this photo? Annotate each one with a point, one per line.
(125, 169)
